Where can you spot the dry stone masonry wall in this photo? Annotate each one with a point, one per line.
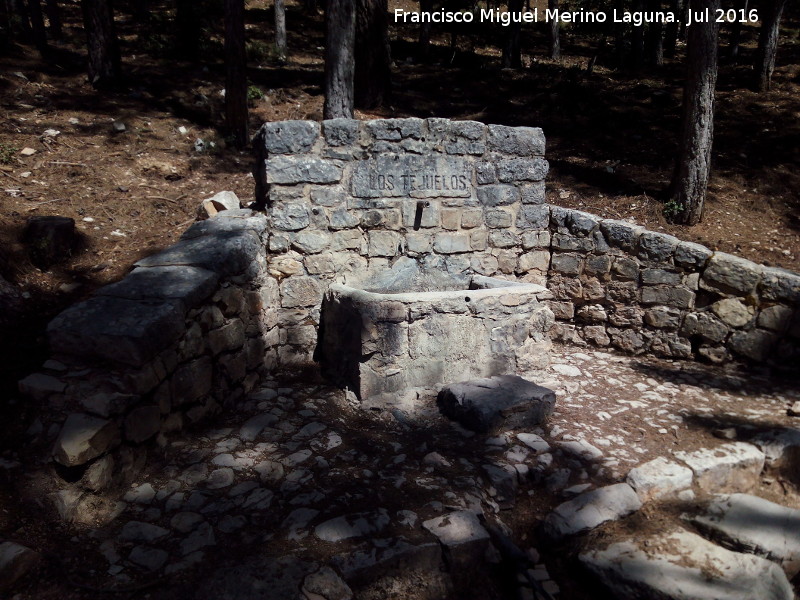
(186, 333)
(346, 199)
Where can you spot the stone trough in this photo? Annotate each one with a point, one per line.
(411, 330)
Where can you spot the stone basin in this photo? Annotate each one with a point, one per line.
(380, 342)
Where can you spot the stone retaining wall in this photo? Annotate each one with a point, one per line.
(186, 333)
(640, 291)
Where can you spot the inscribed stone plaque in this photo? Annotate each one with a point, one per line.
(407, 176)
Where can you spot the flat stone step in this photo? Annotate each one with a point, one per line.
(751, 524)
(734, 467)
(680, 565)
(590, 510)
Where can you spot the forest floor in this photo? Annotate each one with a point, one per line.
(611, 144)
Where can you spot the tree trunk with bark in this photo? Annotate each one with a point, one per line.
(637, 38)
(187, 25)
(373, 72)
(101, 37)
(554, 50)
(54, 17)
(339, 59)
(736, 31)
(20, 20)
(693, 166)
(768, 43)
(37, 25)
(672, 29)
(235, 73)
(425, 30)
(655, 37)
(280, 29)
(512, 56)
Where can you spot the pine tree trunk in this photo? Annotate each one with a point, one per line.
(512, 57)
(20, 20)
(235, 72)
(655, 37)
(637, 38)
(339, 59)
(692, 169)
(555, 39)
(373, 72)
(425, 30)
(280, 29)
(5, 26)
(736, 31)
(768, 43)
(672, 29)
(37, 24)
(54, 17)
(187, 25)
(101, 36)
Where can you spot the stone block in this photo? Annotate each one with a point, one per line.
(291, 170)
(691, 256)
(597, 264)
(485, 405)
(485, 173)
(657, 247)
(124, 331)
(311, 242)
(570, 243)
(568, 264)
(621, 234)
(779, 284)
(471, 218)
(678, 565)
(16, 561)
(226, 338)
(532, 192)
(40, 386)
(730, 274)
(451, 243)
(679, 297)
(755, 526)
(591, 509)
(537, 260)
(663, 317)
(533, 216)
(502, 238)
(340, 132)
(461, 535)
(733, 312)
(775, 318)
(384, 243)
(660, 277)
(519, 141)
(659, 478)
(451, 218)
(288, 137)
(522, 169)
(84, 437)
(734, 467)
(225, 254)
(497, 195)
(300, 291)
(142, 423)
(535, 239)
(191, 382)
(756, 344)
(498, 218)
(706, 325)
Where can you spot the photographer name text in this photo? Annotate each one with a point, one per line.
(635, 18)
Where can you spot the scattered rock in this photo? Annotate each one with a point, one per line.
(137, 531)
(659, 478)
(461, 535)
(83, 438)
(485, 405)
(151, 559)
(325, 584)
(683, 566)
(16, 561)
(591, 509)
(352, 526)
(794, 409)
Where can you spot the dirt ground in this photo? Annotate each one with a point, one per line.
(611, 142)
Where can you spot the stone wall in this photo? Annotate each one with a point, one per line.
(621, 285)
(346, 199)
(186, 333)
